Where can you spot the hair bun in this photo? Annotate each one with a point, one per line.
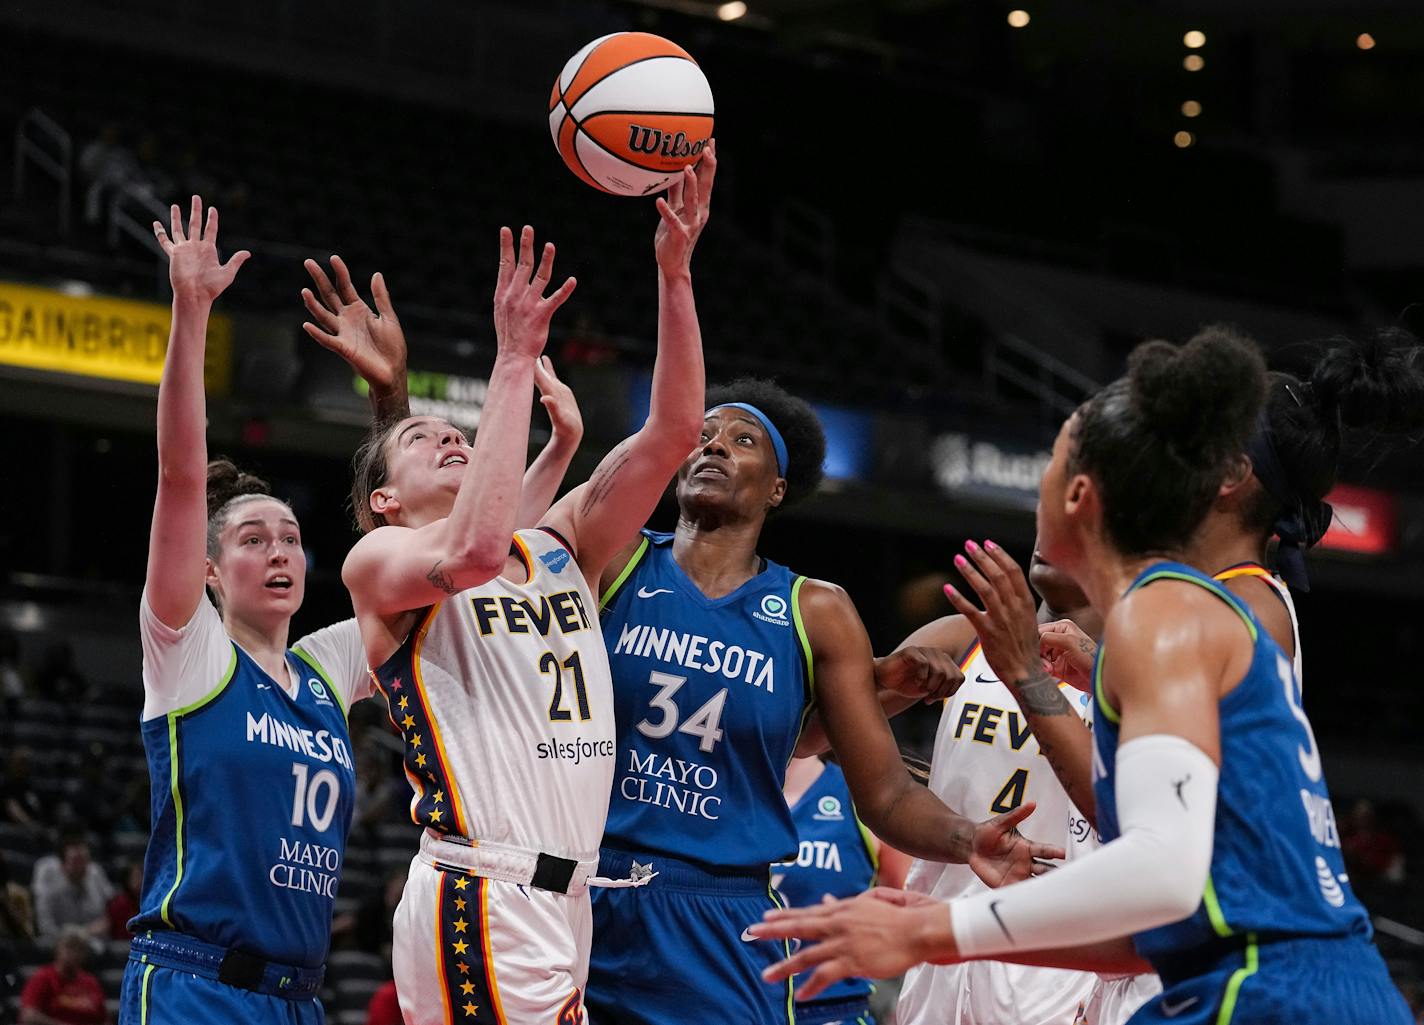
(1378, 383)
(226, 482)
(1202, 397)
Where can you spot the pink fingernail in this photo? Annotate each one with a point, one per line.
(971, 546)
(960, 561)
(991, 546)
(949, 590)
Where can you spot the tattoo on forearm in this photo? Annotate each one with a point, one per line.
(601, 483)
(1084, 802)
(1086, 646)
(441, 580)
(1039, 695)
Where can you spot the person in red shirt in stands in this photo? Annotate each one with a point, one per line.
(384, 1008)
(63, 993)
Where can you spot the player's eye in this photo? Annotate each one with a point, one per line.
(744, 437)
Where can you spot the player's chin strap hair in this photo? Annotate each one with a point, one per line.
(778, 443)
(1302, 521)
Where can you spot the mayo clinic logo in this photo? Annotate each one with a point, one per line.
(828, 809)
(773, 610)
(318, 690)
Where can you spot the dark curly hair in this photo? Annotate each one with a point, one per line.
(799, 426)
(1160, 440)
(229, 487)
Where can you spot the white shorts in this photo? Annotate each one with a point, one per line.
(992, 993)
(1113, 1001)
(484, 951)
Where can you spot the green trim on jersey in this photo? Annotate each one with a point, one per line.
(801, 635)
(1213, 909)
(786, 946)
(143, 995)
(622, 578)
(868, 838)
(335, 694)
(1233, 985)
(173, 777)
(1108, 711)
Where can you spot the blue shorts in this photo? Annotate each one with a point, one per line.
(153, 995)
(834, 1012)
(1341, 981)
(672, 951)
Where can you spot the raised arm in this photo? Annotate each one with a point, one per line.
(177, 549)
(602, 516)
(546, 473)
(1008, 630)
(370, 341)
(896, 808)
(394, 569)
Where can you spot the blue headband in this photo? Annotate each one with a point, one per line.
(778, 444)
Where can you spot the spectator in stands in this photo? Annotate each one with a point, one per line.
(59, 677)
(105, 164)
(19, 801)
(93, 796)
(123, 905)
(384, 1008)
(1372, 852)
(17, 912)
(63, 993)
(70, 889)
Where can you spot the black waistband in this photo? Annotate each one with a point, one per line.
(237, 968)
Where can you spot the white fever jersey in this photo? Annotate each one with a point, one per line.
(986, 762)
(1252, 569)
(503, 697)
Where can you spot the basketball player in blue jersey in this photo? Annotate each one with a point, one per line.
(485, 643)
(247, 743)
(836, 857)
(1221, 858)
(717, 655)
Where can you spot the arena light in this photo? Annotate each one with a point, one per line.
(1365, 41)
(1193, 62)
(1018, 19)
(731, 11)
(1195, 39)
(1183, 139)
(1191, 108)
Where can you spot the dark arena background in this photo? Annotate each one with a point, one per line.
(945, 222)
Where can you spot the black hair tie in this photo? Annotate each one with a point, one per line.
(1302, 522)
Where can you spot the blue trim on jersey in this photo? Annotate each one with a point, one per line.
(1276, 868)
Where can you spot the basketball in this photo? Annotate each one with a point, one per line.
(629, 111)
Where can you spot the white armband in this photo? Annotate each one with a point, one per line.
(1151, 875)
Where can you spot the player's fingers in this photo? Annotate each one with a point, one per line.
(344, 287)
(707, 172)
(195, 219)
(1010, 819)
(210, 230)
(1045, 852)
(1039, 868)
(546, 267)
(175, 227)
(382, 297)
(320, 313)
(829, 973)
(690, 192)
(670, 219)
(506, 260)
(1056, 641)
(799, 962)
(321, 337)
(1013, 572)
(324, 287)
(526, 254)
(982, 587)
(164, 242)
(236, 260)
(674, 193)
(992, 574)
(557, 299)
(965, 607)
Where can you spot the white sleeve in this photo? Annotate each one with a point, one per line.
(182, 666)
(338, 652)
(1151, 875)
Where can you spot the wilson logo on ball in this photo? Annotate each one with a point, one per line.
(629, 111)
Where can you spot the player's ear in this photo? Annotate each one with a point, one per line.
(1237, 475)
(384, 502)
(778, 493)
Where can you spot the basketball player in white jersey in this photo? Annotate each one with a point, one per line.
(488, 650)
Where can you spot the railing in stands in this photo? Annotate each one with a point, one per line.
(910, 307)
(1058, 386)
(36, 129)
(132, 211)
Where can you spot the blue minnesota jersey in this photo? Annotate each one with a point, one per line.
(251, 804)
(709, 698)
(1276, 865)
(836, 857)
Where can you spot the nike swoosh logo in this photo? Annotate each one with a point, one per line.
(264, 686)
(643, 592)
(1172, 1010)
(994, 910)
(981, 678)
(747, 936)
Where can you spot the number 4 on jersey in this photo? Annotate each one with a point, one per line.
(704, 724)
(1011, 795)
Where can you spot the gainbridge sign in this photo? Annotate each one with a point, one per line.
(99, 337)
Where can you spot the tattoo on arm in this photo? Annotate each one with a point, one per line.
(601, 483)
(1087, 647)
(1039, 695)
(441, 580)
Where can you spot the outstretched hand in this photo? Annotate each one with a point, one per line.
(565, 420)
(684, 213)
(1001, 855)
(371, 341)
(194, 269)
(1068, 653)
(521, 311)
(1007, 627)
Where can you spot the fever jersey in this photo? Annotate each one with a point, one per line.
(1252, 569)
(1276, 865)
(986, 762)
(836, 857)
(502, 696)
(711, 695)
(252, 788)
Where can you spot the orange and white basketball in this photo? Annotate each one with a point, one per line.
(629, 111)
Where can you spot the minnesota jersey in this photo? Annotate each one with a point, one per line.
(836, 857)
(986, 762)
(1251, 569)
(711, 695)
(502, 696)
(1276, 865)
(251, 800)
